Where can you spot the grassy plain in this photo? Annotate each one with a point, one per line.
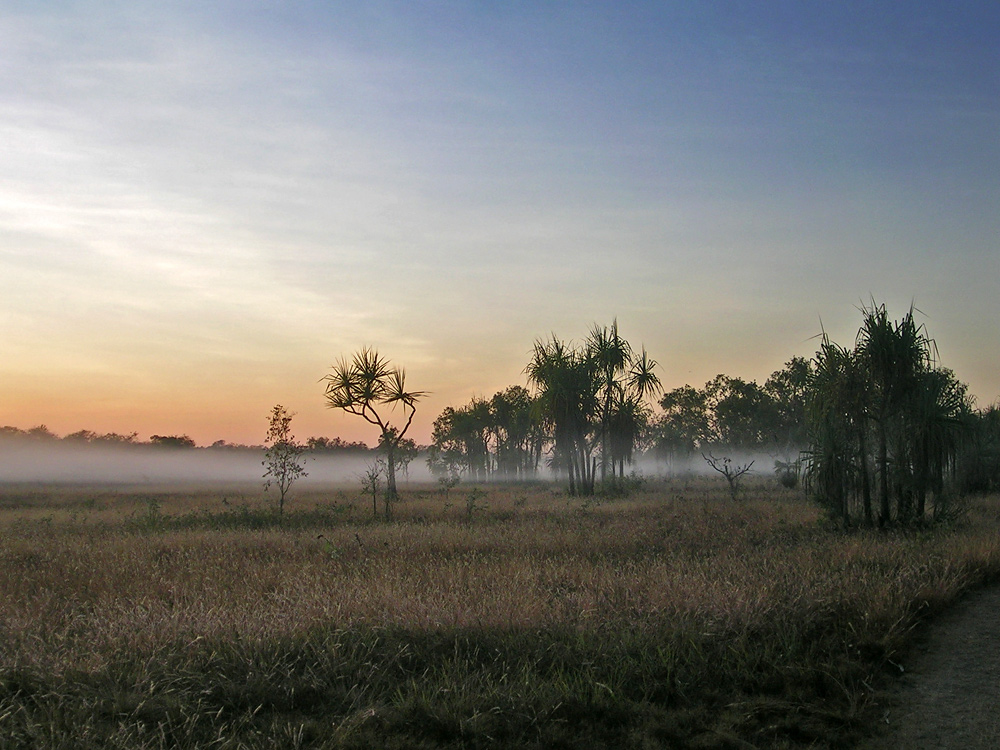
(155, 617)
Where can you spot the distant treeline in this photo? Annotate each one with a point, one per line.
(43, 435)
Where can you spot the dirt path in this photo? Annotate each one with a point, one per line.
(950, 694)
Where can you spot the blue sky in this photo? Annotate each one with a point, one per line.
(203, 205)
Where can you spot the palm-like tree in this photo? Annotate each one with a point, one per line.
(627, 424)
(362, 386)
(894, 356)
(936, 423)
(610, 355)
(837, 415)
(568, 401)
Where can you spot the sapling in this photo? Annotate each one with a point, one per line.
(732, 472)
(371, 482)
(283, 459)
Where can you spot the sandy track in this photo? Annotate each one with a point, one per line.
(949, 696)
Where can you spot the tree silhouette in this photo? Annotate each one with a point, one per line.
(283, 455)
(172, 441)
(732, 414)
(499, 438)
(884, 421)
(592, 398)
(367, 387)
(568, 401)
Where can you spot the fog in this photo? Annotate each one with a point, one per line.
(59, 463)
(695, 464)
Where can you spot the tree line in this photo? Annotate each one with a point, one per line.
(879, 432)
(734, 415)
(590, 412)
(42, 434)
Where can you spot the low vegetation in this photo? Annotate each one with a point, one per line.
(503, 616)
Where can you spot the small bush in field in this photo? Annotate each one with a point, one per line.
(733, 473)
(787, 473)
(472, 502)
(371, 483)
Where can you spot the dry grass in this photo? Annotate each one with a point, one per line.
(681, 616)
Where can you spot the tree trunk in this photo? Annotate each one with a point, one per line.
(866, 486)
(390, 480)
(571, 467)
(922, 471)
(883, 471)
(604, 456)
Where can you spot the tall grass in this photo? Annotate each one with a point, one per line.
(674, 616)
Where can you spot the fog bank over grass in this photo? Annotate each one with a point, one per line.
(61, 463)
(694, 464)
(66, 463)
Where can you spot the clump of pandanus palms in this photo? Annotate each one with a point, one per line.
(886, 423)
(593, 400)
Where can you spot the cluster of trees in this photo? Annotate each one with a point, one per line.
(734, 415)
(588, 411)
(41, 433)
(978, 467)
(593, 402)
(501, 438)
(885, 433)
(336, 446)
(886, 425)
(882, 432)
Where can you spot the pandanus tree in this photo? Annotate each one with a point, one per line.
(630, 414)
(624, 381)
(837, 414)
(626, 426)
(895, 356)
(368, 387)
(938, 421)
(568, 402)
(609, 354)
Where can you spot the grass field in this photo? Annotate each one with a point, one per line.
(148, 617)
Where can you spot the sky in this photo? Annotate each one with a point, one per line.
(203, 206)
